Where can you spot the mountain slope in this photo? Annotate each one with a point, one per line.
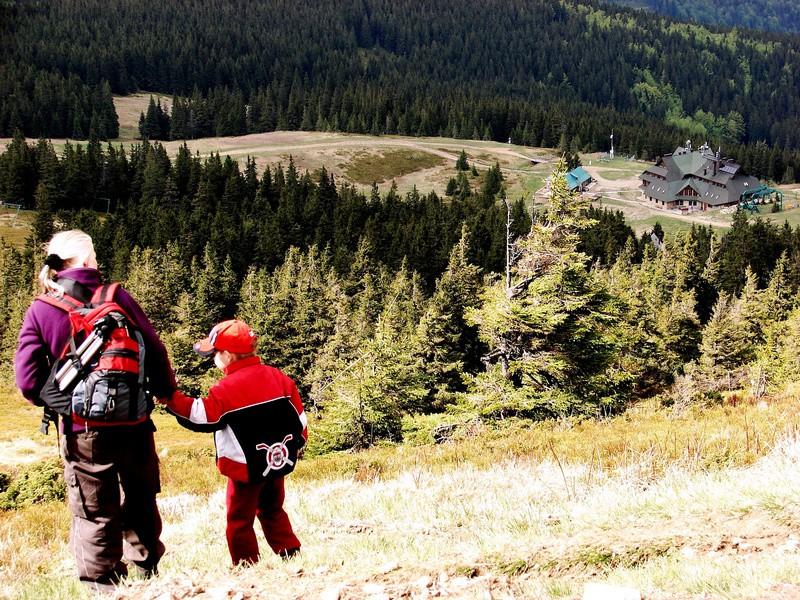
(534, 71)
(769, 15)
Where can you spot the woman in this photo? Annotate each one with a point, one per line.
(111, 471)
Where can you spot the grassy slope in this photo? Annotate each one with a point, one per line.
(15, 225)
(130, 107)
(677, 505)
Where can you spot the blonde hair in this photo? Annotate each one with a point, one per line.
(74, 248)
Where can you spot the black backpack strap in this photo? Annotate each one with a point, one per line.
(48, 416)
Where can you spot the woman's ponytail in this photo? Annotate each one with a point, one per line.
(52, 265)
(66, 249)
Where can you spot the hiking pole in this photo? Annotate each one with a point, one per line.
(84, 354)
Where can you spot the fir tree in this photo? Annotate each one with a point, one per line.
(461, 163)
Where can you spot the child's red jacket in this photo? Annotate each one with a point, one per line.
(257, 418)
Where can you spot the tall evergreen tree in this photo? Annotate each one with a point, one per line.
(547, 328)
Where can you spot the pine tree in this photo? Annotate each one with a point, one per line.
(777, 358)
(16, 292)
(156, 279)
(365, 402)
(42, 228)
(215, 291)
(726, 346)
(778, 298)
(547, 328)
(493, 182)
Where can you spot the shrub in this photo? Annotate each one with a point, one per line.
(38, 483)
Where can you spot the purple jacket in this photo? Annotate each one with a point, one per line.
(45, 332)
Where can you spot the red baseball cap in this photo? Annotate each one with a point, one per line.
(234, 336)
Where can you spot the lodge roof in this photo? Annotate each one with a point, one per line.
(716, 180)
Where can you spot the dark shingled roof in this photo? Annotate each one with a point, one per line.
(695, 168)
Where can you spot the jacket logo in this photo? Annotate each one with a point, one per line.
(277, 455)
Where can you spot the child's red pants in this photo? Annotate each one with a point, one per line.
(264, 500)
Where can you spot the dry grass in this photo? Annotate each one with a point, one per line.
(698, 505)
(129, 108)
(366, 168)
(15, 225)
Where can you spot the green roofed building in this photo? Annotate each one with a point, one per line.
(691, 180)
(578, 179)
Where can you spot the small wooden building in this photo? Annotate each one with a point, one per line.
(578, 179)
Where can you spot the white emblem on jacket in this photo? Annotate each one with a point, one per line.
(277, 454)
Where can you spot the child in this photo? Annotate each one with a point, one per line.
(259, 426)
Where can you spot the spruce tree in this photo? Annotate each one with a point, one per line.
(726, 347)
(449, 348)
(461, 163)
(365, 401)
(548, 327)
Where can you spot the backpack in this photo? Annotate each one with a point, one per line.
(99, 379)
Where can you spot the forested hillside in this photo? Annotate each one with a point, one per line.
(387, 306)
(541, 72)
(769, 15)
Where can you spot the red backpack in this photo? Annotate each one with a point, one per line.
(99, 378)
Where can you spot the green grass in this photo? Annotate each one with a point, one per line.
(670, 226)
(532, 183)
(642, 219)
(792, 216)
(621, 174)
(617, 163)
(366, 168)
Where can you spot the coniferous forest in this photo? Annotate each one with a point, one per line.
(385, 306)
(542, 73)
(770, 15)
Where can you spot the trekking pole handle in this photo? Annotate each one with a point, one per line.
(83, 356)
(76, 358)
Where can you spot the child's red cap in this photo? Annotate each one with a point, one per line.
(234, 336)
